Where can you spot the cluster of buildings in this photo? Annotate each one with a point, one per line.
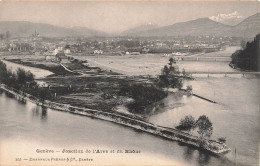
(50, 47)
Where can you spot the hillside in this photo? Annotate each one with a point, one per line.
(140, 29)
(201, 26)
(248, 28)
(25, 29)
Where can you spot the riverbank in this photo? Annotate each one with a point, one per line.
(168, 133)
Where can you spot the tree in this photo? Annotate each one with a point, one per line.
(204, 125)
(222, 139)
(166, 70)
(172, 61)
(170, 76)
(67, 46)
(143, 96)
(43, 94)
(187, 123)
(11, 80)
(243, 44)
(24, 76)
(3, 72)
(249, 57)
(175, 82)
(189, 88)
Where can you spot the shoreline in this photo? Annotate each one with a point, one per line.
(137, 124)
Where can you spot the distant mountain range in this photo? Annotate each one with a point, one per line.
(201, 26)
(248, 28)
(25, 29)
(140, 29)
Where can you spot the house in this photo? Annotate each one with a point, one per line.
(67, 51)
(49, 57)
(55, 51)
(61, 58)
(98, 52)
(145, 50)
(19, 47)
(60, 48)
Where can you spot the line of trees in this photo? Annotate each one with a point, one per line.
(15, 80)
(24, 81)
(249, 57)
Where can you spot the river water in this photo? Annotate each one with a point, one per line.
(25, 127)
(38, 73)
(236, 116)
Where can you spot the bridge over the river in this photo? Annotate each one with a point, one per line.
(224, 73)
(201, 58)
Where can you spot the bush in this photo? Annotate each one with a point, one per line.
(142, 95)
(222, 139)
(189, 88)
(24, 76)
(187, 123)
(203, 143)
(43, 94)
(15, 80)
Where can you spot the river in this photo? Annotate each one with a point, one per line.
(38, 73)
(236, 116)
(25, 127)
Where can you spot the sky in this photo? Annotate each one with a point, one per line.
(114, 17)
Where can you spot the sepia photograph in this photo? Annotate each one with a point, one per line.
(129, 83)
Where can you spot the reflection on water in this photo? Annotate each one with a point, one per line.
(39, 111)
(44, 113)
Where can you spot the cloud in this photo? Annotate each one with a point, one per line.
(223, 17)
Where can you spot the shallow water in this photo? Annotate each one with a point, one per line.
(38, 73)
(236, 116)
